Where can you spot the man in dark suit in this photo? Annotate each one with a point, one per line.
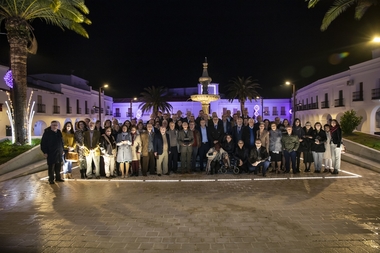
(205, 140)
(216, 131)
(91, 140)
(249, 135)
(52, 147)
(227, 127)
(237, 131)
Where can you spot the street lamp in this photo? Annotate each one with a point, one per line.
(294, 99)
(130, 108)
(100, 101)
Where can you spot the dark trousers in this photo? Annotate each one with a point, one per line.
(151, 163)
(202, 151)
(214, 167)
(194, 155)
(290, 156)
(173, 159)
(298, 154)
(54, 168)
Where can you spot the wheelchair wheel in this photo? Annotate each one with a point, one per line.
(236, 170)
(223, 169)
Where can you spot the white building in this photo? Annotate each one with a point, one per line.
(357, 88)
(57, 97)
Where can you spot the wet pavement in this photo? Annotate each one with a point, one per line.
(193, 213)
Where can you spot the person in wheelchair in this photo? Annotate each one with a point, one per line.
(258, 157)
(215, 157)
(241, 157)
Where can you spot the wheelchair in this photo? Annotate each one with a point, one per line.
(229, 166)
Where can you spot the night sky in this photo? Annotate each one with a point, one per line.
(137, 44)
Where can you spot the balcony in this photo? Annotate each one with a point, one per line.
(87, 111)
(41, 108)
(339, 102)
(266, 113)
(325, 104)
(79, 110)
(376, 93)
(108, 112)
(96, 109)
(69, 110)
(56, 109)
(357, 96)
(283, 112)
(313, 106)
(117, 114)
(129, 115)
(275, 113)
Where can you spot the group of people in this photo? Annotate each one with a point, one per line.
(201, 143)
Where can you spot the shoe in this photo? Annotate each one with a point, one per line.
(89, 177)
(296, 172)
(167, 174)
(97, 177)
(159, 175)
(264, 175)
(108, 177)
(335, 172)
(51, 182)
(317, 171)
(307, 170)
(60, 180)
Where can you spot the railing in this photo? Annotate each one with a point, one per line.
(283, 112)
(275, 113)
(117, 114)
(357, 96)
(41, 108)
(56, 109)
(339, 102)
(313, 106)
(129, 114)
(376, 93)
(87, 110)
(79, 110)
(69, 110)
(325, 104)
(266, 113)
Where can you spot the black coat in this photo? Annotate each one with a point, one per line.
(52, 145)
(241, 154)
(158, 143)
(321, 137)
(256, 156)
(215, 134)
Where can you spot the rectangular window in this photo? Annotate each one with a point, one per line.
(275, 112)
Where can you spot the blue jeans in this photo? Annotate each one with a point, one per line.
(67, 166)
(290, 156)
(265, 165)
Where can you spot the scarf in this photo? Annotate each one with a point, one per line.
(333, 129)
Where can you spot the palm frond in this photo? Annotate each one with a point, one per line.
(312, 3)
(362, 7)
(338, 7)
(155, 99)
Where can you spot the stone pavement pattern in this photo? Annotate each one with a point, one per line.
(320, 215)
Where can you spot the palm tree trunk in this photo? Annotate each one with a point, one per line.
(242, 106)
(18, 34)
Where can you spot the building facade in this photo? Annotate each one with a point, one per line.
(356, 89)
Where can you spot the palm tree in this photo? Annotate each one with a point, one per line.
(243, 90)
(339, 6)
(155, 98)
(18, 15)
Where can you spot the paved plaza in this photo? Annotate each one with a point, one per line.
(194, 213)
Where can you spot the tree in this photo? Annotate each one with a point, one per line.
(243, 90)
(18, 15)
(349, 121)
(155, 98)
(339, 6)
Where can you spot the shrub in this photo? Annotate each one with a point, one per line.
(349, 121)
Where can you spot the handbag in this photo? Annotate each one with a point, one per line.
(71, 156)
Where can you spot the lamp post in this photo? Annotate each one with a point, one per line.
(100, 101)
(130, 108)
(294, 99)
